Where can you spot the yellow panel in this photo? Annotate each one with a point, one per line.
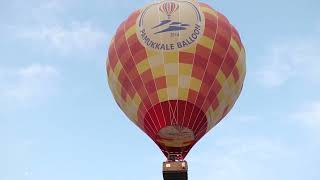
(185, 69)
(132, 107)
(220, 109)
(184, 81)
(171, 57)
(158, 71)
(132, 111)
(143, 66)
(132, 30)
(115, 84)
(172, 81)
(195, 84)
(117, 69)
(173, 92)
(209, 10)
(191, 49)
(221, 77)
(183, 93)
(235, 46)
(152, 53)
(206, 42)
(212, 118)
(163, 95)
(221, 96)
(111, 82)
(156, 60)
(172, 69)
(227, 90)
(241, 66)
(137, 99)
(231, 81)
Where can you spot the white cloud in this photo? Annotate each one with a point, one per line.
(245, 158)
(34, 82)
(290, 60)
(77, 36)
(309, 116)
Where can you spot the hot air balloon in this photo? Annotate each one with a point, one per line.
(176, 68)
(169, 8)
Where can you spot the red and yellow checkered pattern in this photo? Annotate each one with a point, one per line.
(192, 88)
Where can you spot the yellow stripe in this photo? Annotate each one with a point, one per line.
(184, 81)
(195, 84)
(158, 71)
(221, 77)
(163, 95)
(241, 66)
(172, 69)
(191, 49)
(235, 46)
(185, 69)
(131, 31)
(172, 81)
(117, 69)
(206, 42)
(171, 57)
(183, 93)
(137, 99)
(143, 66)
(155, 60)
(172, 92)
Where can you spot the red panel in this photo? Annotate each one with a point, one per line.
(215, 89)
(197, 72)
(202, 55)
(147, 76)
(210, 25)
(215, 104)
(129, 64)
(138, 51)
(112, 55)
(186, 58)
(204, 89)
(131, 91)
(192, 95)
(161, 83)
(229, 62)
(133, 73)
(151, 87)
(224, 34)
(125, 83)
(137, 83)
(212, 69)
(200, 100)
(147, 103)
(153, 95)
(236, 74)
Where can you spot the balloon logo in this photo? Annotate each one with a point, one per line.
(169, 8)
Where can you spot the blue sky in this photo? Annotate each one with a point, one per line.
(58, 119)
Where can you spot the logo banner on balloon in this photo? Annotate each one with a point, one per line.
(179, 24)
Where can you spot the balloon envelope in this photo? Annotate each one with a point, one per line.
(176, 68)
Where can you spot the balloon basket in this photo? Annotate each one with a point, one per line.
(175, 170)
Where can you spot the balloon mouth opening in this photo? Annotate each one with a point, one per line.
(175, 126)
